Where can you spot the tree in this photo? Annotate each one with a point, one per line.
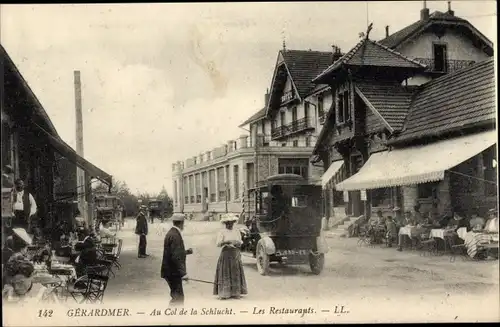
(168, 205)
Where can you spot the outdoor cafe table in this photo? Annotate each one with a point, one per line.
(442, 234)
(412, 231)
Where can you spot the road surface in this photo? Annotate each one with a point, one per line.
(352, 273)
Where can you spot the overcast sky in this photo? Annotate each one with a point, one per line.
(164, 82)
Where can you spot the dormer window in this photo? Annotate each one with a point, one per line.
(440, 58)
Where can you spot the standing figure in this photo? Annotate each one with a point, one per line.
(229, 277)
(24, 206)
(141, 229)
(173, 265)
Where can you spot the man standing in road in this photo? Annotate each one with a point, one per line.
(141, 229)
(173, 266)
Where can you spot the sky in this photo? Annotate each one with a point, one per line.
(165, 82)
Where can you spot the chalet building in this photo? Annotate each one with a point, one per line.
(33, 151)
(444, 158)
(442, 41)
(281, 139)
(433, 144)
(375, 86)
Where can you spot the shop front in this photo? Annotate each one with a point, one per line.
(452, 175)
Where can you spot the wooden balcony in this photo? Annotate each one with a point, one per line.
(448, 66)
(292, 128)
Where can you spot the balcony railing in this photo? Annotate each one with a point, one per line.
(447, 66)
(292, 128)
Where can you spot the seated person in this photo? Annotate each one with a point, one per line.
(392, 230)
(88, 252)
(104, 231)
(398, 219)
(43, 254)
(476, 223)
(19, 285)
(458, 221)
(409, 221)
(418, 217)
(492, 223)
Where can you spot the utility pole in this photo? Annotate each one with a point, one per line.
(80, 173)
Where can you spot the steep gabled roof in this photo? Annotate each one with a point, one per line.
(436, 18)
(370, 53)
(390, 101)
(304, 65)
(255, 117)
(456, 100)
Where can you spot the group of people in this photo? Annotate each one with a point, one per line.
(229, 281)
(379, 228)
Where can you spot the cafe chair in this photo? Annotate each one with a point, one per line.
(457, 250)
(78, 289)
(97, 285)
(114, 257)
(364, 237)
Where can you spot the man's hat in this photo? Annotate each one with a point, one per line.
(178, 217)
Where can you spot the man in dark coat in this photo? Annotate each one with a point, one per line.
(141, 229)
(173, 266)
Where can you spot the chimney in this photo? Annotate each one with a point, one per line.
(266, 97)
(424, 13)
(387, 31)
(451, 12)
(336, 53)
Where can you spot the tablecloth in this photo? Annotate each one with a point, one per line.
(411, 231)
(440, 233)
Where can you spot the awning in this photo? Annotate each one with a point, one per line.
(66, 151)
(331, 171)
(418, 164)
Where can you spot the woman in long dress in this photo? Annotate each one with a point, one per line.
(230, 277)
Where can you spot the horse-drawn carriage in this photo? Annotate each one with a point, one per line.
(156, 210)
(285, 224)
(109, 209)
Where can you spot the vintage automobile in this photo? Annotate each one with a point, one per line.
(109, 209)
(155, 208)
(286, 224)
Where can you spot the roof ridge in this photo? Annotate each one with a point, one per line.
(397, 53)
(308, 51)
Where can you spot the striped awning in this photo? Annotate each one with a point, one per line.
(330, 172)
(417, 164)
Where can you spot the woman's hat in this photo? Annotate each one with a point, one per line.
(228, 217)
(23, 235)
